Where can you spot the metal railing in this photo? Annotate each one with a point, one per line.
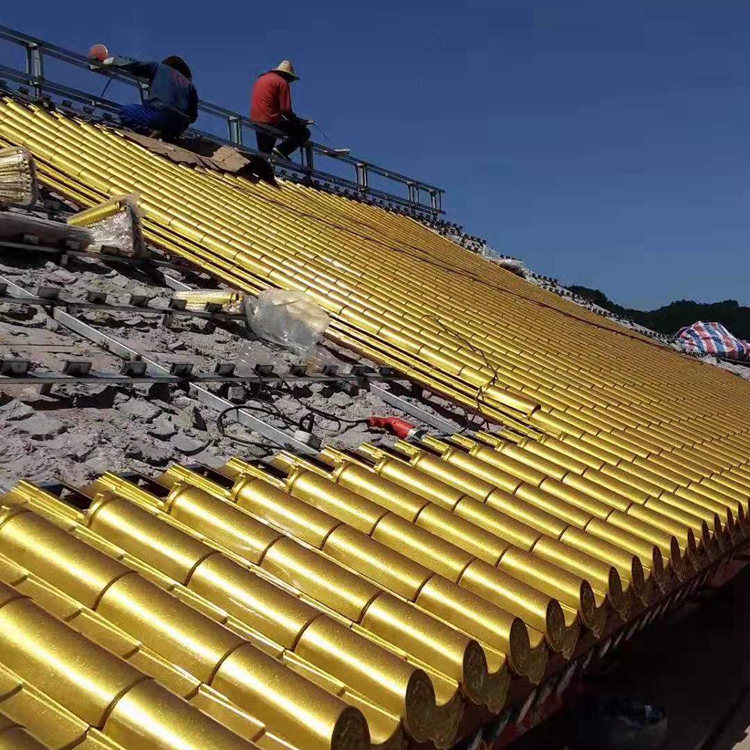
(421, 197)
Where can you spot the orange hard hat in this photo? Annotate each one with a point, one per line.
(98, 52)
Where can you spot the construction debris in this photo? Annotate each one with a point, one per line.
(209, 154)
(116, 223)
(142, 427)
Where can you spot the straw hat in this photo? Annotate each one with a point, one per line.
(285, 66)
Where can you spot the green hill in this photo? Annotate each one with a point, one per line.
(670, 318)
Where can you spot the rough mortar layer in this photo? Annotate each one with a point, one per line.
(78, 432)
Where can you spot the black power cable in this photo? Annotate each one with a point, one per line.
(240, 441)
(269, 409)
(318, 412)
(469, 420)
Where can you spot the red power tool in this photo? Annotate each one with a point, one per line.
(398, 427)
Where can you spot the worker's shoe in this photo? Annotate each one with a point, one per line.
(278, 155)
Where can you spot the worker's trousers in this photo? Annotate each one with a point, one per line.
(296, 132)
(149, 120)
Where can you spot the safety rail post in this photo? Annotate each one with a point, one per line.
(362, 178)
(413, 193)
(307, 155)
(35, 67)
(235, 129)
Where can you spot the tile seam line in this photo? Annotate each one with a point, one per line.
(113, 705)
(234, 649)
(330, 533)
(212, 552)
(122, 575)
(265, 552)
(14, 690)
(15, 599)
(299, 635)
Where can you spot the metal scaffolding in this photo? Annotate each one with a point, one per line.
(421, 198)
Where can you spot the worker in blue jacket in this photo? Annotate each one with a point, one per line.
(172, 103)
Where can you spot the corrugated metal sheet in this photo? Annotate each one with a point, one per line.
(382, 597)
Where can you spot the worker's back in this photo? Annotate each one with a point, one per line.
(271, 97)
(168, 87)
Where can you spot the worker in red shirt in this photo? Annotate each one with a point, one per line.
(272, 105)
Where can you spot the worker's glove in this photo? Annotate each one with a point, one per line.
(95, 65)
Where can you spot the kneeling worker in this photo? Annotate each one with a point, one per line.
(272, 105)
(172, 104)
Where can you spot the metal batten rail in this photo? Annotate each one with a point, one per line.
(155, 262)
(34, 76)
(143, 309)
(362, 375)
(80, 371)
(121, 349)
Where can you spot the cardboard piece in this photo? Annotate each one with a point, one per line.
(210, 155)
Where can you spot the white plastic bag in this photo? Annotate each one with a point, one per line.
(288, 318)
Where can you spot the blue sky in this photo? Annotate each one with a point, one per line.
(605, 143)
